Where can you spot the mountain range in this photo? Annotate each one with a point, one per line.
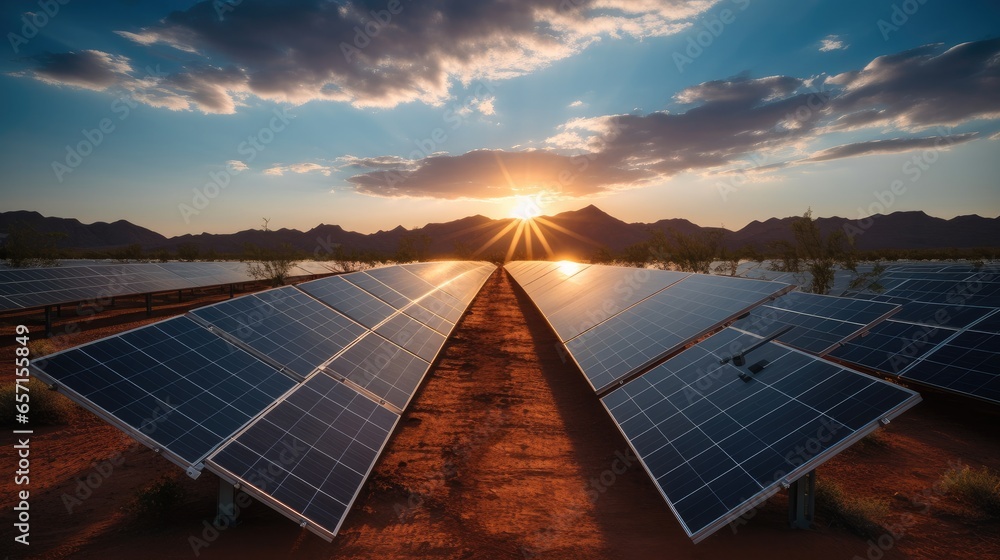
(576, 233)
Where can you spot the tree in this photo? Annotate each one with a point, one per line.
(26, 247)
(187, 251)
(270, 263)
(413, 246)
(689, 253)
(811, 252)
(128, 253)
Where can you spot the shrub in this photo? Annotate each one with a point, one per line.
(861, 515)
(156, 500)
(978, 487)
(46, 407)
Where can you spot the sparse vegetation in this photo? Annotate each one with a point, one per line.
(862, 515)
(980, 487)
(270, 263)
(48, 408)
(874, 440)
(27, 247)
(156, 500)
(413, 247)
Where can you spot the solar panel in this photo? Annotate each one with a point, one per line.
(443, 305)
(427, 317)
(968, 364)
(940, 315)
(378, 289)
(717, 438)
(349, 299)
(819, 323)
(285, 325)
(171, 384)
(39, 287)
(465, 286)
(406, 283)
(597, 293)
(663, 323)
(382, 368)
(413, 336)
(990, 324)
(973, 291)
(892, 346)
(309, 456)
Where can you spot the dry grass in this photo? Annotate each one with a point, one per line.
(45, 406)
(979, 487)
(862, 515)
(157, 500)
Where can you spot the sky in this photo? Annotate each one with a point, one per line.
(189, 117)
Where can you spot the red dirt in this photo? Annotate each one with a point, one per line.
(494, 459)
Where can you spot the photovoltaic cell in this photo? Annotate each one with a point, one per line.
(968, 364)
(172, 382)
(716, 444)
(286, 325)
(664, 323)
(349, 299)
(378, 289)
(413, 336)
(597, 293)
(406, 283)
(309, 456)
(892, 346)
(382, 368)
(940, 315)
(819, 323)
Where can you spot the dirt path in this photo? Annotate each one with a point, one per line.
(507, 453)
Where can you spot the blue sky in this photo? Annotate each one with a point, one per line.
(454, 108)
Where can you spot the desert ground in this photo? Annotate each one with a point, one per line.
(494, 459)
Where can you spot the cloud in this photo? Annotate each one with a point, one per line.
(90, 69)
(575, 104)
(359, 52)
(921, 88)
(832, 43)
(300, 168)
(892, 146)
(723, 123)
(237, 165)
(485, 106)
(490, 174)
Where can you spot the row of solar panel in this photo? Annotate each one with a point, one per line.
(716, 437)
(220, 386)
(615, 321)
(39, 287)
(945, 334)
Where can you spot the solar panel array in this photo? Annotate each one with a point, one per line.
(716, 437)
(38, 287)
(821, 323)
(615, 321)
(943, 335)
(290, 393)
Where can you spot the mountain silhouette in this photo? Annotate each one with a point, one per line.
(572, 234)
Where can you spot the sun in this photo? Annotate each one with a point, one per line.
(526, 208)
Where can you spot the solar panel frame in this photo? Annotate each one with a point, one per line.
(261, 323)
(366, 366)
(820, 323)
(292, 409)
(343, 296)
(967, 363)
(681, 438)
(95, 353)
(635, 359)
